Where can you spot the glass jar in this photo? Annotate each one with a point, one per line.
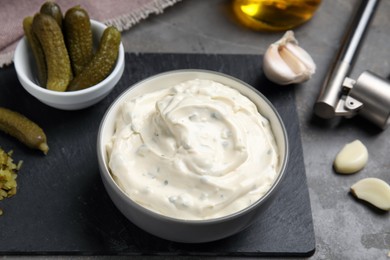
(274, 15)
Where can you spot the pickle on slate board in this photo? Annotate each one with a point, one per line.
(78, 37)
(37, 50)
(23, 129)
(54, 10)
(49, 34)
(102, 63)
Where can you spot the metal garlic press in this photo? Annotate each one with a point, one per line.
(369, 94)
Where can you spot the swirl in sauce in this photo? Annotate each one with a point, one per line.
(198, 150)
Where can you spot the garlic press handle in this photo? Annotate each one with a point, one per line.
(331, 90)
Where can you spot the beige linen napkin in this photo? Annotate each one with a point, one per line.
(121, 13)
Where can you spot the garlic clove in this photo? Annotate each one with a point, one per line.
(285, 62)
(373, 190)
(351, 158)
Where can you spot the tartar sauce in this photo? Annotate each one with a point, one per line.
(197, 150)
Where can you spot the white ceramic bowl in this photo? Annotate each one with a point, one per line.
(189, 231)
(72, 100)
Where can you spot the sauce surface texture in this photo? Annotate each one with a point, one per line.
(197, 150)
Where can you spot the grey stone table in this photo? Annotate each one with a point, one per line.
(344, 228)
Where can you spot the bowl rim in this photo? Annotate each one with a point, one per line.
(36, 87)
(107, 173)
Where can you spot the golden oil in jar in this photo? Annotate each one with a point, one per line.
(274, 15)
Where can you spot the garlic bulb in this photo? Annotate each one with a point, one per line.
(286, 63)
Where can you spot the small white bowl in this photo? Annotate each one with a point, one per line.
(179, 230)
(72, 100)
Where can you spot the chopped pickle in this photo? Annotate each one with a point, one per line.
(8, 175)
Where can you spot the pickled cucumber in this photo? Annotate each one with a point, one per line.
(49, 34)
(23, 129)
(37, 50)
(78, 38)
(8, 174)
(102, 63)
(54, 10)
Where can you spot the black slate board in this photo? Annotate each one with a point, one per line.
(62, 208)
